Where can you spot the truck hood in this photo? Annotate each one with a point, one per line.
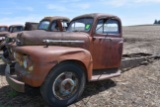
(13, 35)
(2, 34)
(40, 37)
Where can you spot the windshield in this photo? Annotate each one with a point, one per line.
(44, 25)
(16, 29)
(3, 29)
(81, 25)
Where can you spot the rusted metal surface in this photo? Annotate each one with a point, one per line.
(52, 18)
(3, 34)
(30, 26)
(100, 75)
(62, 38)
(55, 55)
(94, 51)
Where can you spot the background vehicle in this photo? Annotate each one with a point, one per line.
(12, 33)
(11, 29)
(90, 50)
(35, 37)
(3, 28)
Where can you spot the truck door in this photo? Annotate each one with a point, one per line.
(101, 47)
(106, 40)
(114, 32)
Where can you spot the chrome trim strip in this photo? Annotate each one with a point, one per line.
(63, 41)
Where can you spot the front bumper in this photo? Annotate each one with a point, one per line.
(13, 80)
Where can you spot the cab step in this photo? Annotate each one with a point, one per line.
(99, 75)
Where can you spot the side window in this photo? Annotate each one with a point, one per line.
(107, 27)
(64, 24)
(54, 26)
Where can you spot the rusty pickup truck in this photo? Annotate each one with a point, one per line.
(12, 32)
(35, 37)
(11, 29)
(90, 50)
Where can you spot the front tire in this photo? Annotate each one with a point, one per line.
(63, 85)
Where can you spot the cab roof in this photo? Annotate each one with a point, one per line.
(3, 26)
(15, 25)
(95, 15)
(51, 18)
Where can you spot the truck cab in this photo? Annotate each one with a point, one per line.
(54, 23)
(7, 31)
(15, 28)
(90, 50)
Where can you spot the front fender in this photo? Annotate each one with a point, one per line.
(45, 59)
(81, 55)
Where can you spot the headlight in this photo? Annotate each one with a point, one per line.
(14, 55)
(25, 62)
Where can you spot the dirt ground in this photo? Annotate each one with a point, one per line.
(138, 86)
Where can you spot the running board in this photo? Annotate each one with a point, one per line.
(103, 75)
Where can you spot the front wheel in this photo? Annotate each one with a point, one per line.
(63, 85)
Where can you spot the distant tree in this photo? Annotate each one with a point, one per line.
(156, 22)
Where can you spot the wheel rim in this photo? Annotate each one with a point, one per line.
(65, 85)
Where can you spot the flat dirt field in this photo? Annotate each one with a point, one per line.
(138, 86)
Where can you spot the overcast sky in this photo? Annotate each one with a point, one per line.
(131, 12)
